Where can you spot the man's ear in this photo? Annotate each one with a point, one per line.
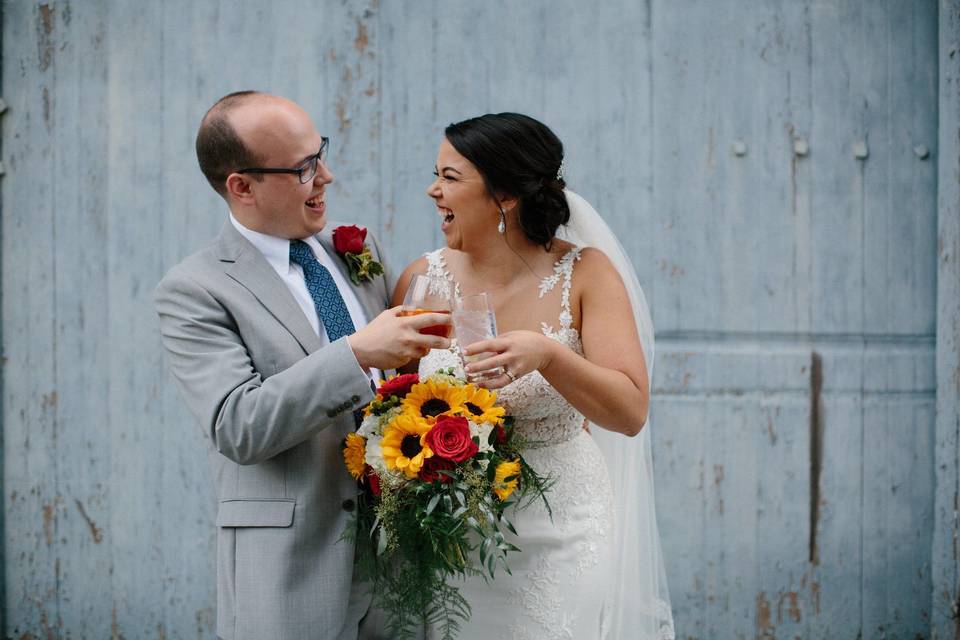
(239, 188)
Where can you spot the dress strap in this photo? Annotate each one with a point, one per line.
(562, 269)
(437, 268)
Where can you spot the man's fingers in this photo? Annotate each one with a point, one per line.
(429, 341)
(429, 319)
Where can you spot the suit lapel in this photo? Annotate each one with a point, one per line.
(246, 265)
(366, 292)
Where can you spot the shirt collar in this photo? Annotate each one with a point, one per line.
(275, 250)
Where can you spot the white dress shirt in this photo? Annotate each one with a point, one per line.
(277, 253)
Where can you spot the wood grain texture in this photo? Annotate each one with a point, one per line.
(946, 531)
(791, 504)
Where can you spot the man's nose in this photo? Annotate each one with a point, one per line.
(323, 175)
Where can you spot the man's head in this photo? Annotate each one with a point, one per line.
(255, 149)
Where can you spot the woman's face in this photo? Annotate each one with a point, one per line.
(468, 215)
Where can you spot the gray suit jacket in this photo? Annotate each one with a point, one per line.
(274, 406)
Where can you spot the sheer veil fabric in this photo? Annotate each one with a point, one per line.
(638, 603)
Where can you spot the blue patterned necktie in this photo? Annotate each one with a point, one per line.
(326, 297)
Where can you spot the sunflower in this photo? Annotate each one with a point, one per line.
(506, 477)
(402, 445)
(481, 406)
(431, 398)
(354, 453)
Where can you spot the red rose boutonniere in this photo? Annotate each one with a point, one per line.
(348, 241)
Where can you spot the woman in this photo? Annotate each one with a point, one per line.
(571, 318)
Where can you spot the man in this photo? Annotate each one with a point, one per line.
(270, 346)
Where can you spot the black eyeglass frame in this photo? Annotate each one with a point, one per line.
(310, 165)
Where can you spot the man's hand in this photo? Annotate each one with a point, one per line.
(390, 341)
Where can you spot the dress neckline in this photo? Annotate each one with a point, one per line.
(562, 273)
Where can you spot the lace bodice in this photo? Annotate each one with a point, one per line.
(542, 415)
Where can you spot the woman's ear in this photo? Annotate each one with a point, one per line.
(507, 203)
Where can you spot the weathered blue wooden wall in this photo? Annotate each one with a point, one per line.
(772, 167)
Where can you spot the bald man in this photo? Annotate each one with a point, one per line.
(273, 349)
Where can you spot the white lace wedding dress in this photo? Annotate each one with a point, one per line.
(560, 578)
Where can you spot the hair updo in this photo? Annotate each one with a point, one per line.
(518, 156)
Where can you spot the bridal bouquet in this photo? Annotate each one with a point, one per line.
(439, 463)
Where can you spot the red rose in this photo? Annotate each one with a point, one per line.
(450, 438)
(501, 437)
(398, 386)
(431, 468)
(373, 481)
(349, 239)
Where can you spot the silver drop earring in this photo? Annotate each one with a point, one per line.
(502, 226)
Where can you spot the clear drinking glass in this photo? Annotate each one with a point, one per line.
(473, 321)
(428, 295)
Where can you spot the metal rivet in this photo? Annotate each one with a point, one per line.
(860, 150)
(3, 105)
(739, 148)
(800, 146)
(922, 152)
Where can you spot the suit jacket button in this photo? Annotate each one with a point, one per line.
(355, 399)
(331, 413)
(347, 505)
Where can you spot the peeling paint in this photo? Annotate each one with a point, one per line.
(49, 516)
(342, 118)
(94, 530)
(793, 608)
(764, 624)
(46, 108)
(115, 633)
(44, 40)
(48, 400)
(361, 41)
(815, 596)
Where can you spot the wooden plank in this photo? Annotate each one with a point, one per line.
(84, 312)
(945, 553)
(34, 511)
(897, 510)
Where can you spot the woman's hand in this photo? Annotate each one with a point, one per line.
(518, 352)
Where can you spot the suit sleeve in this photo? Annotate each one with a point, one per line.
(389, 277)
(250, 419)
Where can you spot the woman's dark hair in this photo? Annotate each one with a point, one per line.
(520, 157)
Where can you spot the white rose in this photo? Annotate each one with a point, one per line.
(482, 431)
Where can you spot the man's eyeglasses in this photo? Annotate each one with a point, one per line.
(307, 169)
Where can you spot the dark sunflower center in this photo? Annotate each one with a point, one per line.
(433, 407)
(474, 409)
(410, 446)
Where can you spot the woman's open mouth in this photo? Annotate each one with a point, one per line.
(447, 216)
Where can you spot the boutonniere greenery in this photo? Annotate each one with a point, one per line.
(348, 241)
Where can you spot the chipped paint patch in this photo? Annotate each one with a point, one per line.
(94, 530)
(44, 39)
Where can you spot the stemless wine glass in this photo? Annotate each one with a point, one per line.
(427, 294)
(473, 321)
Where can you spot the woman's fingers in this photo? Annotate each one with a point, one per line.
(496, 345)
(498, 360)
